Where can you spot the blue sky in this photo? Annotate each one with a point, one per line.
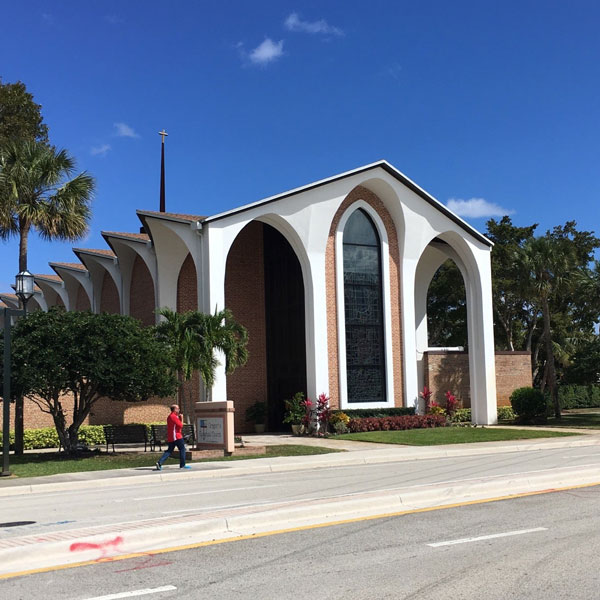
(492, 107)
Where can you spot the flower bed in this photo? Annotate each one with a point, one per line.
(396, 423)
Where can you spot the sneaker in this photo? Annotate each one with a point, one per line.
(158, 466)
(185, 467)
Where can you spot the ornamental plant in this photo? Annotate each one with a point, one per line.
(435, 409)
(323, 413)
(426, 396)
(307, 419)
(294, 409)
(451, 404)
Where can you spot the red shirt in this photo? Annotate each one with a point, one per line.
(174, 425)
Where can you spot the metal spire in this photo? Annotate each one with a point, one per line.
(163, 134)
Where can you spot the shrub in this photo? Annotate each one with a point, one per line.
(462, 415)
(359, 413)
(46, 437)
(399, 423)
(506, 413)
(579, 396)
(528, 403)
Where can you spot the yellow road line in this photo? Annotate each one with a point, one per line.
(289, 530)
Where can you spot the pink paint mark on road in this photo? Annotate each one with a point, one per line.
(103, 547)
(148, 563)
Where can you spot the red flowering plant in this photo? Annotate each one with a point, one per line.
(307, 419)
(426, 396)
(323, 413)
(451, 403)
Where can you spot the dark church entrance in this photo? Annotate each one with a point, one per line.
(285, 331)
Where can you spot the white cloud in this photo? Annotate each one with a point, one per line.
(113, 19)
(48, 18)
(266, 52)
(124, 130)
(100, 150)
(295, 23)
(476, 208)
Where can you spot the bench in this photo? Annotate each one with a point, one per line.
(125, 434)
(158, 435)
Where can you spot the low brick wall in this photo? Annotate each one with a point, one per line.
(104, 412)
(448, 370)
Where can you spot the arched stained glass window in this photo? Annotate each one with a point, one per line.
(363, 307)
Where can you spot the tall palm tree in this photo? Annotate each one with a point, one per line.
(195, 337)
(547, 272)
(37, 193)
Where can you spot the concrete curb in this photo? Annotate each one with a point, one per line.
(99, 480)
(102, 543)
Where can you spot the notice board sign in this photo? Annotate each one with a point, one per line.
(214, 425)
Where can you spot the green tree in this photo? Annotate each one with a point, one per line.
(20, 116)
(195, 338)
(58, 356)
(447, 307)
(548, 269)
(36, 192)
(514, 319)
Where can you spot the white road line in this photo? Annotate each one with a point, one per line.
(486, 537)
(255, 487)
(145, 592)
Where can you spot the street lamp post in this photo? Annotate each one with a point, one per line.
(24, 288)
(9, 313)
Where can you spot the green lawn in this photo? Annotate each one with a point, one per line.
(48, 463)
(588, 419)
(448, 435)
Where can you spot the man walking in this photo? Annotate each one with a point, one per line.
(174, 439)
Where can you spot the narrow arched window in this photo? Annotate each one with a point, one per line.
(363, 308)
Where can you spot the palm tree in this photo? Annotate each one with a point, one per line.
(36, 193)
(547, 272)
(194, 338)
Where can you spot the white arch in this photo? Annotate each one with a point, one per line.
(474, 264)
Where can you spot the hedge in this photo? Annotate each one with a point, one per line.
(396, 423)
(46, 437)
(578, 396)
(360, 413)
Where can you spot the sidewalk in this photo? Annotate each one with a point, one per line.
(354, 453)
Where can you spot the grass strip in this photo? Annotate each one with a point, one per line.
(449, 435)
(39, 464)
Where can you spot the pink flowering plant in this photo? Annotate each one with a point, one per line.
(426, 396)
(451, 404)
(323, 413)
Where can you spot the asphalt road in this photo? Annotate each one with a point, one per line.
(542, 547)
(67, 510)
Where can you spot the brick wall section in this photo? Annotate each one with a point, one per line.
(142, 302)
(361, 193)
(513, 370)
(187, 299)
(82, 302)
(450, 371)
(104, 412)
(109, 297)
(245, 297)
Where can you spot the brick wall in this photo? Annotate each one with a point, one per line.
(361, 193)
(104, 412)
(450, 371)
(142, 302)
(82, 302)
(245, 297)
(109, 297)
(513, 370)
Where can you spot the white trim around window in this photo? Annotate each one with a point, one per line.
(341, 320)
